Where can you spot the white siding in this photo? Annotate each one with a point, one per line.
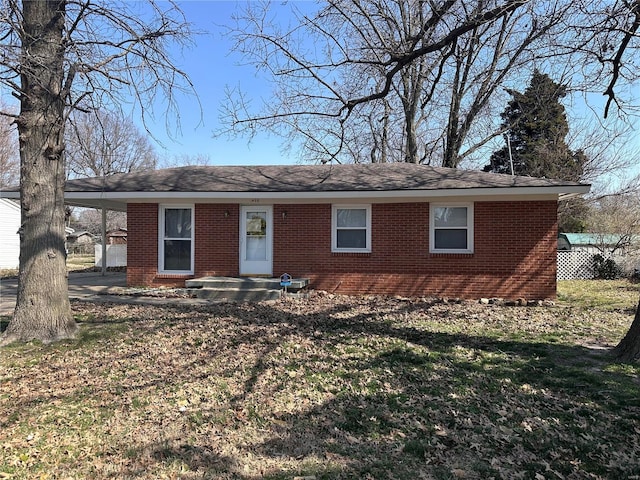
(116, 255)
(9, 239)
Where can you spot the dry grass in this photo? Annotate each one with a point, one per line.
(74, 263)
(80, 262)
(8, 272)
(600, 294)
(331, 388)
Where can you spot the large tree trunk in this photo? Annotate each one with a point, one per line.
(42, 310)
(629, 347)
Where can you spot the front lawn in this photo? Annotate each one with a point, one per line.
(601, 294)
(334, 387)
(75, 263)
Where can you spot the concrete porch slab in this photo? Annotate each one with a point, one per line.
(244, 282)
(241, 289)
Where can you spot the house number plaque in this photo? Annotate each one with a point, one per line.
(285, 280)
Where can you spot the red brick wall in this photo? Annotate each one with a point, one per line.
(217, 240)
(514, 254)
(142, 243)
(216, 248)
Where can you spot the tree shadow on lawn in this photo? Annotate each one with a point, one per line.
(401, 401)
(380, 399)
(489, 404)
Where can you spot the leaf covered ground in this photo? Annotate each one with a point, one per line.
(327, 388)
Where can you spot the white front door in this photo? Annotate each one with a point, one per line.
(256, 240)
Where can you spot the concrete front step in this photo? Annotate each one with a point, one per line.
(244, 289)
(244, 282)
(234, 295)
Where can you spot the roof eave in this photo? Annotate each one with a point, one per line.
(118, 200)
(115, 198)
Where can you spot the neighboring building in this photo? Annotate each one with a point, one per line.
(117, 236)
(593, 242)
(397, 229)
(80, 242)
(576, 252)
(116, 249)
(9, 238)
(80, 238)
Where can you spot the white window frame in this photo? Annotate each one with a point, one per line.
(161, 238)
(334, 228)
(432, 228)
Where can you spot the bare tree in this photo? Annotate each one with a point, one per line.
(615, 222)
(90, 219)
(603, 39)
(57, 55)
(185, 159)
(482, 62)
(104, 143)
(376, 69)
(418, 78)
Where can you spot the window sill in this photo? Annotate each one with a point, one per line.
(173, 275)
(451, 255)
(350, 252)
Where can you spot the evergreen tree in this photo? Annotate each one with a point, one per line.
(536, 126)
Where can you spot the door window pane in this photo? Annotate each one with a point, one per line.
(256, 248)
(256, 241)
(256, 223)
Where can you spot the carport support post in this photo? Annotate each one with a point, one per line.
(104, 241)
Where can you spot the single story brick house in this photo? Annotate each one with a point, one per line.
(396, 229)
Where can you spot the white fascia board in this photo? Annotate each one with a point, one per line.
(329, 196)
(10, 194)
(89, 200)
(566, 195)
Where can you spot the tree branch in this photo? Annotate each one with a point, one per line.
(617, 60)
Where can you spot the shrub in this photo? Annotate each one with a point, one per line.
(605, 268)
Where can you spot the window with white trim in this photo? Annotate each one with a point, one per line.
(451, 228)
(351, 228)
(176, 239)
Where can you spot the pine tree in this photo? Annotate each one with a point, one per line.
(537, 127)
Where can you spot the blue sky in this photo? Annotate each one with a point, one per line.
(211, 67)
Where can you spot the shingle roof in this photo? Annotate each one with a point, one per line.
(306, 178)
